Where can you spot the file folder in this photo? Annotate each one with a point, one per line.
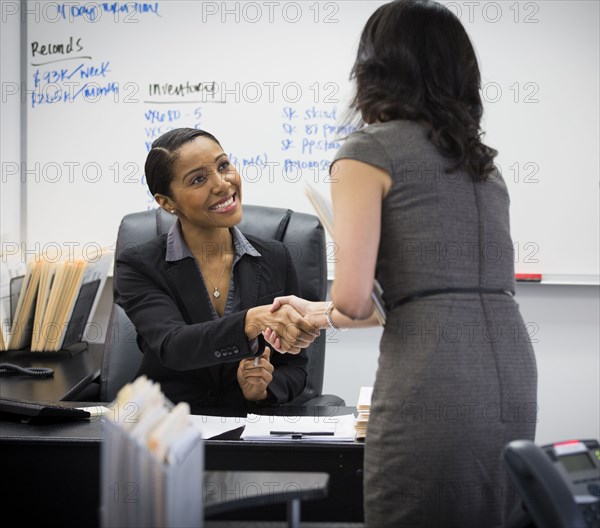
(137, 489)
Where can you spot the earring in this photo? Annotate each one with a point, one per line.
(172, 211)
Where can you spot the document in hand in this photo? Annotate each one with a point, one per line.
(325, 212)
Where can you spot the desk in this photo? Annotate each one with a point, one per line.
(53, 472)
(71, 373)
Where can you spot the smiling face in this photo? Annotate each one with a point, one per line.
(206, 187)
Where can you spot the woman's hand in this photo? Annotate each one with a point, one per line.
(255, 378)
(295, 332)
(272, 338)
(313, 312)
(302, 305)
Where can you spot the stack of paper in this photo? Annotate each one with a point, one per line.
(152, 461)
(363, 408)
(57, 300)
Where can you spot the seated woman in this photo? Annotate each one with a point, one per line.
(199, 296)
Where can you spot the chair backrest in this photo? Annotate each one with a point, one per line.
(302, 233)
(122, 357)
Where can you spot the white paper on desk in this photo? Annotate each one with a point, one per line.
(96, 410)
(211, 426)
(259, 427)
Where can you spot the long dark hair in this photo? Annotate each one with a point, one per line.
(415, 61)
(161, 158)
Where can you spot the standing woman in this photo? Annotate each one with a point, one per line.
(419, 205)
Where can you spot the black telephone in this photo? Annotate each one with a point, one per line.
(559, 483)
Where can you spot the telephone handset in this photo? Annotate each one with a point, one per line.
(559, 483)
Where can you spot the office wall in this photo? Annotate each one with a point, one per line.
(566, 316)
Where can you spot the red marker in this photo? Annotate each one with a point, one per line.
(529, 277)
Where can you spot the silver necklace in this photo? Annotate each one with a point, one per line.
(215, 292)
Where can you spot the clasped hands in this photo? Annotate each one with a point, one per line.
(286, 324)
(304, 308)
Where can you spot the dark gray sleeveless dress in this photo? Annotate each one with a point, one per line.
(456, 379)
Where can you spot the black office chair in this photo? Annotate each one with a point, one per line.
(304, 236)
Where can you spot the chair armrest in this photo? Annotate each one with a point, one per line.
(325, 400)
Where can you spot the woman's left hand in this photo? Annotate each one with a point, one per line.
(255, 378)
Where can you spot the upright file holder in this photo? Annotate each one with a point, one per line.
(80, 314)
(72, 342)
(139, 490)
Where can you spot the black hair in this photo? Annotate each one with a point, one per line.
(163, 154)
(415, 61)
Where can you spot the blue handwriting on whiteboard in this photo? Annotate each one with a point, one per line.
(93, 11)
(287, 144)
(82, 71)
(289, 113)
(156, 131)
(314, 113)
(91, 92)
(161, 116)
(308, 145)
(297, 165)
(258, 160)
(339, 131)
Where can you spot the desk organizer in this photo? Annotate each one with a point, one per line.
(137, 489)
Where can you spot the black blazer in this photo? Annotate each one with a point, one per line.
(192, 356)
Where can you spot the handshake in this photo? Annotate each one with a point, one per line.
(289, 324)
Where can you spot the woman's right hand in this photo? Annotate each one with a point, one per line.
(302, 305)
(313, 311)
(294, 331)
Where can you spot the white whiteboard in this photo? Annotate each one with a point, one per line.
(270, 80)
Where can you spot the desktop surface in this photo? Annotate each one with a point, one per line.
(72, 373)
(56, 466)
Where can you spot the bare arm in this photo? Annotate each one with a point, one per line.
(314, 312)
(358, 190)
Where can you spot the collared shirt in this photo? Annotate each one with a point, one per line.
(177, 249)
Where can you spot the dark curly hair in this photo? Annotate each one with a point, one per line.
(415, 61)
(161, 158)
